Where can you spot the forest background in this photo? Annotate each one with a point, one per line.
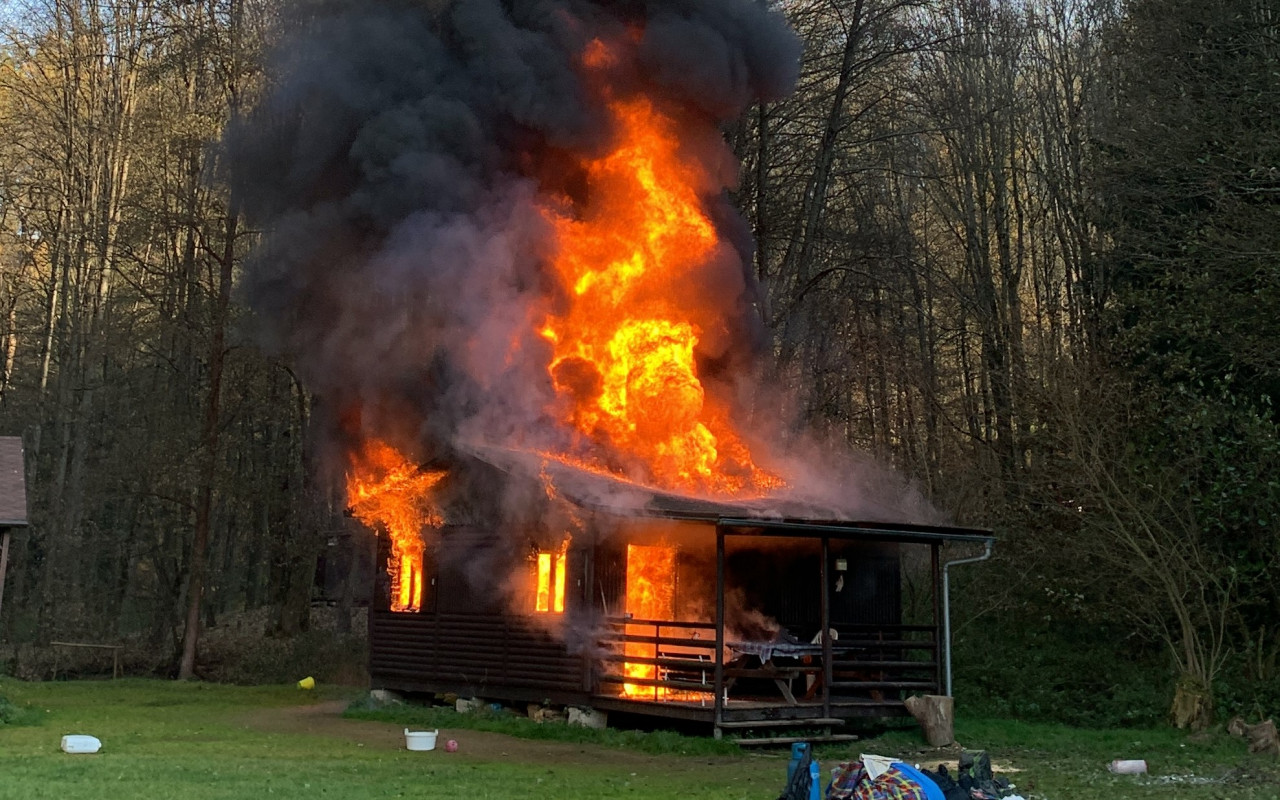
(1025, 251)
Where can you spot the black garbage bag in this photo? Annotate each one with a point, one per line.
(977, 764)
(950, 789)
(976, 779)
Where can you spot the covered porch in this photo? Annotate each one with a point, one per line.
(869, 661)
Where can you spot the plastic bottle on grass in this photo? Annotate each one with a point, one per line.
(1128, 766)
(798, 750)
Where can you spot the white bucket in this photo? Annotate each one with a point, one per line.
(420, 740)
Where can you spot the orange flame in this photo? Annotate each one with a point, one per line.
(550, 592)
(651, 582)
(558, 598)
(624, 347)
(386, 490)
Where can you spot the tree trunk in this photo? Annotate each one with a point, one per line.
(209, 439)
(1192, 705)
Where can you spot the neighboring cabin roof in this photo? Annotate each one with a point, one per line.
(13, 483)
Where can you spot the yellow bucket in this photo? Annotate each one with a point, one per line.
(307, 683)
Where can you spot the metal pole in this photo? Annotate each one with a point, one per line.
(946, 603)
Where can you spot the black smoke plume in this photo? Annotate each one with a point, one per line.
(395, 164)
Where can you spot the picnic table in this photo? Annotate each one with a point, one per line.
(761, 660)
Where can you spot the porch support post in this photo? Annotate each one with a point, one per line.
(940, 643)
(719, 681)
(825, 615)
(589, 664)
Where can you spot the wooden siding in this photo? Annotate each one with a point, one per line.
(482, 655)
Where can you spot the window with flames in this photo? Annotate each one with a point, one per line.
(549, 568)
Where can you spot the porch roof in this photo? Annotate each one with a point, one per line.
(743, 520)
(778, 515)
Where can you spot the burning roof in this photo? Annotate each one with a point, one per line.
(599, 491)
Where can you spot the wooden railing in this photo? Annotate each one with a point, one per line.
(663, 660)
(657, 659)
(880, 662)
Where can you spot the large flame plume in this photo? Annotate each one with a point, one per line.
(625, 345)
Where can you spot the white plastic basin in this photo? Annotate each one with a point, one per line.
(420, 740)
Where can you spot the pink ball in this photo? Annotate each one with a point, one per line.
(451, 746)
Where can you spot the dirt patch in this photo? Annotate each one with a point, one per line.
(325, 719)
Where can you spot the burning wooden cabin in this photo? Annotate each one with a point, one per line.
(588, 301)
(659, 605)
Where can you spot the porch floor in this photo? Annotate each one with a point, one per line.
(739, 712)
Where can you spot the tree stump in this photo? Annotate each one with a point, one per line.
(1262, 737)
(935, 713)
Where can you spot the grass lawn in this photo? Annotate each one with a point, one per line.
(1060, 763)
(194, 741)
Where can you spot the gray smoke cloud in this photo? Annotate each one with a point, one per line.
(396, 163)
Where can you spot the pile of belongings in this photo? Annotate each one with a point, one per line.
(974, 779)
(880, 778)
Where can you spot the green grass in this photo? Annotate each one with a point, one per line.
(654, 742)
(1062, 763)
(195, 741)
(190, 741)
(14, 715)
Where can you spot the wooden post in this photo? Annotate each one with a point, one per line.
(941, 648)
(719, 686)
(589, 665)
(4, 564)
(657, 651)
(824, 616)
(935, 714)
